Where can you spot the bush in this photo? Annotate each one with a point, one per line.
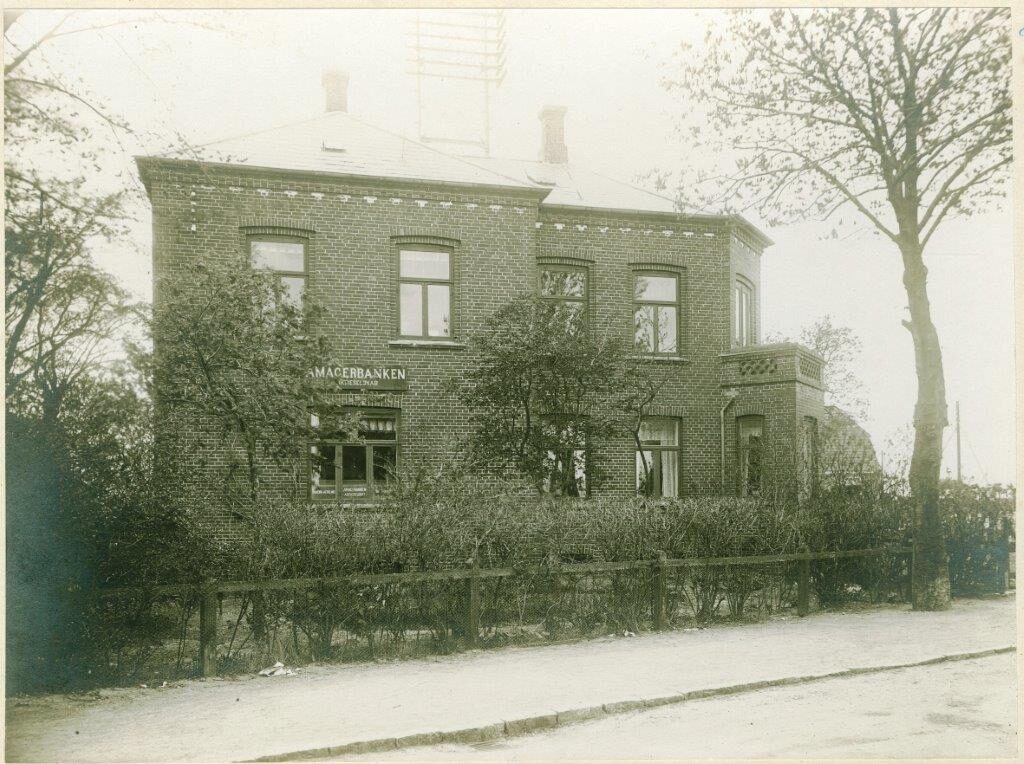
(979, 535)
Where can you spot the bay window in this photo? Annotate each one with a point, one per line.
(743, 307)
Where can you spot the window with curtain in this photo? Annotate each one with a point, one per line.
(284, 257)
(656, 313)
(343, 467)
(425, 287)
(750, 434)
(657, 458)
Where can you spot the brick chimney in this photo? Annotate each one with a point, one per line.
(553, 148)
(335, 84)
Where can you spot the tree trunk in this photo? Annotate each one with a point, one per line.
(931, 568)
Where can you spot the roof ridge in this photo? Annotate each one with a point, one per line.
(251, 133)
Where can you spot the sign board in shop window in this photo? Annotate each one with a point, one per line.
(362, 377)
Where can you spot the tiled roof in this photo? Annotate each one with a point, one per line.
(339, 143)
(574, 186)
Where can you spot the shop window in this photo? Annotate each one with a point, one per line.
(743, 307)
(656, 313)
(285, 257)
(425, 287)
(750, 436)
(657, 458)
(353, 467)
(565, 289)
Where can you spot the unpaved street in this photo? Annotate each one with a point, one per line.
(963, 709)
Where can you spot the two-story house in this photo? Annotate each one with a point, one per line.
(409, 249)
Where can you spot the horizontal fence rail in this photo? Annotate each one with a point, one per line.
(209, 592)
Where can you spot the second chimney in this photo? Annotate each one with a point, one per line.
(335, 84)
(553, 148)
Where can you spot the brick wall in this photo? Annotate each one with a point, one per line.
(499, 239)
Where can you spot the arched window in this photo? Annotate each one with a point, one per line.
(743, 313)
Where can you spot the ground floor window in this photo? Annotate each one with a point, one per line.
(808, 456)
(566, 473)
(750, 436)
(657, 457)
(353, 467)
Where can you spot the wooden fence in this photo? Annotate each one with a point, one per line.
(210, 592)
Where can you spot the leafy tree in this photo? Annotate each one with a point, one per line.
(902, 115)
(233, 352)
(541, 393)
(841, 348)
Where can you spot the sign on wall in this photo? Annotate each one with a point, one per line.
(354, 377)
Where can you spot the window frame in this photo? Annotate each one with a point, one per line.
(583, 301)
(368, 444)
(412, 246)
(744, 331)
(656, 304)
(656, 466)
(742, 452)
(251, 238)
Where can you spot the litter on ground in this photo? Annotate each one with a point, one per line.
(278, 669)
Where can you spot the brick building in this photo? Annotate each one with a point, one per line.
(409, 249)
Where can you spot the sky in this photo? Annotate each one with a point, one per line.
(205, 75)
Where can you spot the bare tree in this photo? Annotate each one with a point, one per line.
(841, 348)
(902, 115)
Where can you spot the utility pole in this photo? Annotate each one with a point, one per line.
(959, 476)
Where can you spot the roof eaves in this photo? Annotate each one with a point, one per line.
(145, 163)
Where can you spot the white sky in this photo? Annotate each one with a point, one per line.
(262, 68)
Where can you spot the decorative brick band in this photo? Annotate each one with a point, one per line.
(442, 237)
(277, 227)
(673, 411)
(564, 260)
(667, 260)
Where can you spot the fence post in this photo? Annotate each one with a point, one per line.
(208, 630)
(660, 591)
(473, 603)
(803, 587)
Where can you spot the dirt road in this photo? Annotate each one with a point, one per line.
(965, 709)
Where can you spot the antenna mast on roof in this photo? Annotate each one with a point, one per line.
(463, 46)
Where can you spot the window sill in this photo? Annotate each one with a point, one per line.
(445, 344)
(662, 358)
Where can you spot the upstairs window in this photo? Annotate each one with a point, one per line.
(566, 289)
(657, 458)
(656, 313)
(286, 258)
(750, 434)
(743, 307)
(424, 293)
